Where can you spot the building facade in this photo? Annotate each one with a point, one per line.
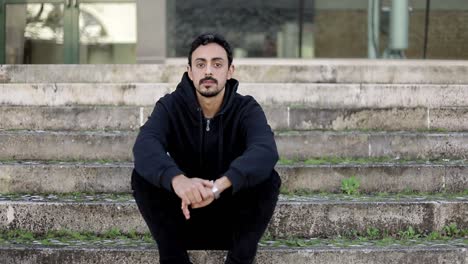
(150, 31)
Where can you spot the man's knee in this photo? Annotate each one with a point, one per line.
(264, 195)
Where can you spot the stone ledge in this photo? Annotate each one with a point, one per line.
(368, 255)
(296, 216)
(280, 117)
(106, 176)
(323, 71)
(117, 145)
(319, 95)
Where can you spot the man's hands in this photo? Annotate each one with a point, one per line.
(196, 192)
(192, 191)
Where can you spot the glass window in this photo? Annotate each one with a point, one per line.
(107, 33)
(34, 33)
(255, 28)
(448, 30)
(317, 28)
(341, 29)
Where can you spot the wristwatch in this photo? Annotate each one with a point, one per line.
(216, 191)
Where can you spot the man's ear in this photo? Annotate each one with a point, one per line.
(231, 71)
(189, 71)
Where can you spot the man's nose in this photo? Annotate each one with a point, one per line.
(208, 70)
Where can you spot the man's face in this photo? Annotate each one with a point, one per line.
(210, 70)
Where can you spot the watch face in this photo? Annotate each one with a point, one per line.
(216, 192)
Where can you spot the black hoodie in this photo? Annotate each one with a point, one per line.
(237, 142)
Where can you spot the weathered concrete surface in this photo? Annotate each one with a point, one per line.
(280, 117)
(306, 217)
(322, 71)
(95, 117)
(64, 178)
(416, 145)
(449, 212)
(73, 118)
(379, 119)
(91, 73)
(115, 178)
(455, 119)
(117, 146)
(456, 177)
(48, 145)
(332, 219)
(363, 255)
(317, 95)
(63, 94)
(303, 145)
(377, 177)
(277, 116)
(359, 95)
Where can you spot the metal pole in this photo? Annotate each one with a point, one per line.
(399, 21)
(301, 25)
(426, 28)
(373, 28)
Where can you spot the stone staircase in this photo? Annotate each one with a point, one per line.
(399, 127)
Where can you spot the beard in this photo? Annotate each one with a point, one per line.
(208, 93)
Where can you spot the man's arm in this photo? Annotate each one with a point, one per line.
(153, 163)
(150, 150)
(258, 160)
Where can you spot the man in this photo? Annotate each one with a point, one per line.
(204, 173)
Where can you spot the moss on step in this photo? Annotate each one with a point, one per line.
(296, 195)
(71, 238)
(370, 197)
(369, 160)
(450, 235)
(68, 197)
(66, 161)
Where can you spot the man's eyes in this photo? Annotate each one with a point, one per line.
(202, 65)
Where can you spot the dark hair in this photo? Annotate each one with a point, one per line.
(207, 38)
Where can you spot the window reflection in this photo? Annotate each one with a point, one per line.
(255, 28)
(108, 33)
(34, 33)
(328, 29)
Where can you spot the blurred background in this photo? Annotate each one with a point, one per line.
(153, 31)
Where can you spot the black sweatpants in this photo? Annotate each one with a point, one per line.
(233, 222)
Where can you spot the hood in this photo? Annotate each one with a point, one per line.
(185, 92)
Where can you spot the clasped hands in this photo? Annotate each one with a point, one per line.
(196, 192)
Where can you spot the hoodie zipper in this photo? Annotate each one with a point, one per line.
(208, 125)
(200, 160)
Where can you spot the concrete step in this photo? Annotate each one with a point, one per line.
(317, 95)
(47, 145)
(412, 254)
(279, 117)
(68, 177)
(297, 216)
(303, 71)
(74, 118)
(376, 177)
(419, 145)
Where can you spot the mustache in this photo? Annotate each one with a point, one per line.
(208, 79)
